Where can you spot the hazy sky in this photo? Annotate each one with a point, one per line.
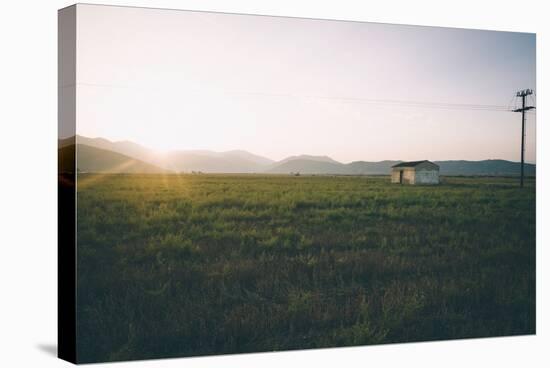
(285, 86)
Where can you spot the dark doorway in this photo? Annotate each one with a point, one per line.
(400, 176)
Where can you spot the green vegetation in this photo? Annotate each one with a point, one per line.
(176, 265)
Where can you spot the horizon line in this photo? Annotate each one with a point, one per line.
(286, 157)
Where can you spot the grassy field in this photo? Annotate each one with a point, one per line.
(178, 265)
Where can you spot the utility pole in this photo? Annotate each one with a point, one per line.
(523, 94)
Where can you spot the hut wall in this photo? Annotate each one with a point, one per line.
(408, 175)
(427, 177)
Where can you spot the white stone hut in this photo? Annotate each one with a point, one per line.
(415, 172)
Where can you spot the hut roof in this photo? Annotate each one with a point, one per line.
(413, 163)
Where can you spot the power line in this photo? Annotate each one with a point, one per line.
(512, 100)
(368, 101)
(386, 102)
(359, 100)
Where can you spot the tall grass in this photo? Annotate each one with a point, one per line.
(180, 265)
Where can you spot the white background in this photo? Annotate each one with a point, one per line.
(28, 182)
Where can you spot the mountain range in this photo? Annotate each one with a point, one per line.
(102, 155)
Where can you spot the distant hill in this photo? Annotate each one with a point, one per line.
(236, 161)
(239, 161)
(213, 162)
(97, 160)
(126, 148)
(65, 157)
(209, 162)
(309, 158)
(370, 168)
(467, 168)
(65, 142)
(303, 166)
(247, 156)
(485, 167)
(329, 166)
